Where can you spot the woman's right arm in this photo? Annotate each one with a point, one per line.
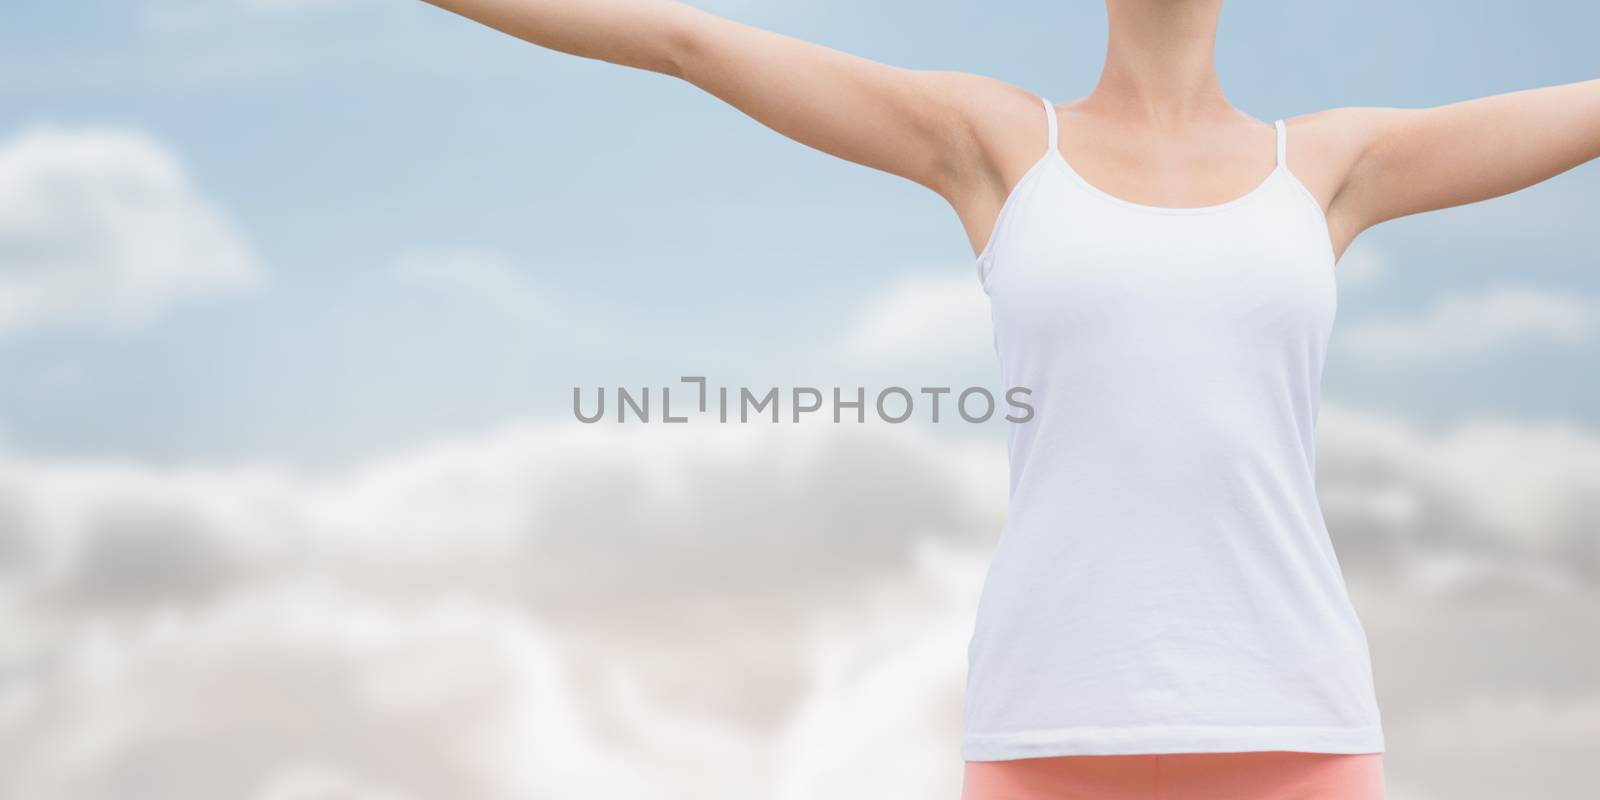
(938, 129)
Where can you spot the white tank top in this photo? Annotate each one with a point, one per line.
(1164, 581)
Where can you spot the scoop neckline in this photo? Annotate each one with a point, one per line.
(1171, 210)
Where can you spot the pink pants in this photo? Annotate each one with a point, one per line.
(1274, 775)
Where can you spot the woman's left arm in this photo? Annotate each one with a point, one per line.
(1408, 161)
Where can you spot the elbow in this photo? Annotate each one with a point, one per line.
(679, 45)
(667, 41)
(681, 48)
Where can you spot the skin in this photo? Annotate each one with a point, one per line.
(1157, 129)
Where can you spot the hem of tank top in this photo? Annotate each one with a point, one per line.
(1172, 739)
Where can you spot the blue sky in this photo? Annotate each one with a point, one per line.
(340, 140)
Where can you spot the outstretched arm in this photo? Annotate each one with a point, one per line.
(1412, 160)
(905, 122)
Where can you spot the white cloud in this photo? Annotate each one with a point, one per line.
(589, 518)
(103, 227)
(704, 610)
(892, 673)
(485, 618)
(317, 782)
(1488, 692)
(479, 277)
(1459, 326)
(304, 690)
(1362, 263)
(922, 318)
(1491, 486)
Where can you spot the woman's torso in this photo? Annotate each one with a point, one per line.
(1164, 582)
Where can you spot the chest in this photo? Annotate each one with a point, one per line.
(1070, 265)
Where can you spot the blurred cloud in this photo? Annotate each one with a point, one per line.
(461, 620)
(922, 318)
(482, 278)
(698, 610)
(1493, 321)
(1363, 263)
(103, 227)
(1505, 491)
(303, 690)
(663, 512)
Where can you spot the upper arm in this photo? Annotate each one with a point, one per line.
(1404, 161)
(922, 125)
(952, 132)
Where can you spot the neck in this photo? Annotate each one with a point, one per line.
(1160, 60)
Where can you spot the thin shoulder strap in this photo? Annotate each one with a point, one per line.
(1283, 143)
(1050, 116)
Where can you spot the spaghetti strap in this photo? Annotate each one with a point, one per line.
(1283, 143)
(1050, 116)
